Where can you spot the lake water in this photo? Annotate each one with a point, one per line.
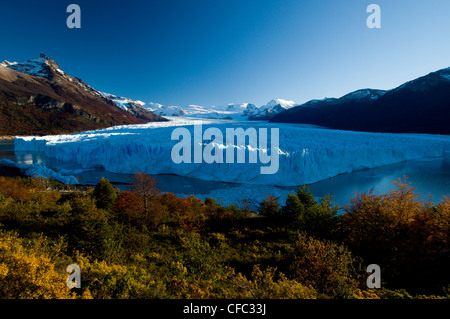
(429, 176)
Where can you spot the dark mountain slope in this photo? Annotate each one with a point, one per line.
(37, 97)
(418, 106)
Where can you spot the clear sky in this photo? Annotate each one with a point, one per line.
(215, 52)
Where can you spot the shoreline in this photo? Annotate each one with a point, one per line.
(7, 171)
(7, 137)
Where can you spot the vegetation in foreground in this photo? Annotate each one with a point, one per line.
(146, 244)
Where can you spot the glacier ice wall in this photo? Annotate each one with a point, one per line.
(306, 155)
(41, 171)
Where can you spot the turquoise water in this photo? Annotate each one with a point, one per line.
(429, 176)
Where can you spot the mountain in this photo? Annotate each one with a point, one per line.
(229, 111)
(418, 106)
(237, 111)
(136, 108)
(37, 97)
(268, 111)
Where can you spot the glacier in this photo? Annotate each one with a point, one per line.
(306, 154)
(33, 170)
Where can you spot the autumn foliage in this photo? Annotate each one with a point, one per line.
(409, 236)
(25, 274)
(143, 243)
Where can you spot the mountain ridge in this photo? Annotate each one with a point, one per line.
(38, 98)
(238, 111)
(421, 105)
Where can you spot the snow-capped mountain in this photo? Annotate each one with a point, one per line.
(418, 106)
(425, 82)
(283, 103)
(238, 111)
(123, 102)
(41, 66)
(266, 112)
(47, 68)
(136, 108)
(229, 111)
(445, 74)
(43, 99)
(363, 95)
(173, 110)
(237, 107)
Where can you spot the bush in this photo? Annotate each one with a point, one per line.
(270, 284)
(28, 273)
(406, 237)
(316, 218)
(105, 194)
(15, 189)
(326, 266)
(103, 281)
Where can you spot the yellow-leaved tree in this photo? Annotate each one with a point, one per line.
(27, 274)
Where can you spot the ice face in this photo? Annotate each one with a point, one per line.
(33, 170)
(306, 155)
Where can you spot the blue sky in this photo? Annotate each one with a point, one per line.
(214, 52)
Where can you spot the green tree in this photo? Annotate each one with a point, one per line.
(105, 194)
(316, 218)
(89, 229)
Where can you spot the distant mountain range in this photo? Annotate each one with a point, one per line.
(237, 111)
(418, 106)
(37, 97)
